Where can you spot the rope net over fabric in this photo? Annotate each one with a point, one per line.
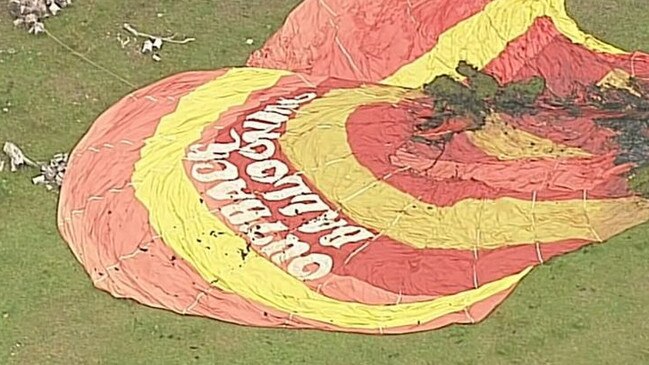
(304, 192)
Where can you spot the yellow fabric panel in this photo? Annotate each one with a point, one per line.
(178, 216)
(316, 143)
(556, 9)
(482, 37)
(619, 79)
(505, 142)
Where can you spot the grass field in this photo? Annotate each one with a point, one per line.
(590, 307)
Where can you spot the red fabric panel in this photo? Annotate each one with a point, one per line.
(566, 67)
(320, 37)
(379, 137)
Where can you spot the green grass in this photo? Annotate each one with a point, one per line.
(589, 307)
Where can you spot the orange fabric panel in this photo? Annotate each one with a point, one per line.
(359, 39)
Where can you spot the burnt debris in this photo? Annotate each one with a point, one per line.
(618, 102)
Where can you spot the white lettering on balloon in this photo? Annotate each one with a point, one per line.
(249, 212)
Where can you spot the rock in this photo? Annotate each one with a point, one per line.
(147, 46)
(37, 28)
(153, 43)
(31, 13)
(53, 173)
(157, 43)
(38, 180)
(14, 8)
(16, 156)
(54, 8)
(30, 18)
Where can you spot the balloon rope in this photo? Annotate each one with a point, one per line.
(89, 61)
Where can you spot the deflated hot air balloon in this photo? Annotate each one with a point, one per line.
(389, 187)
